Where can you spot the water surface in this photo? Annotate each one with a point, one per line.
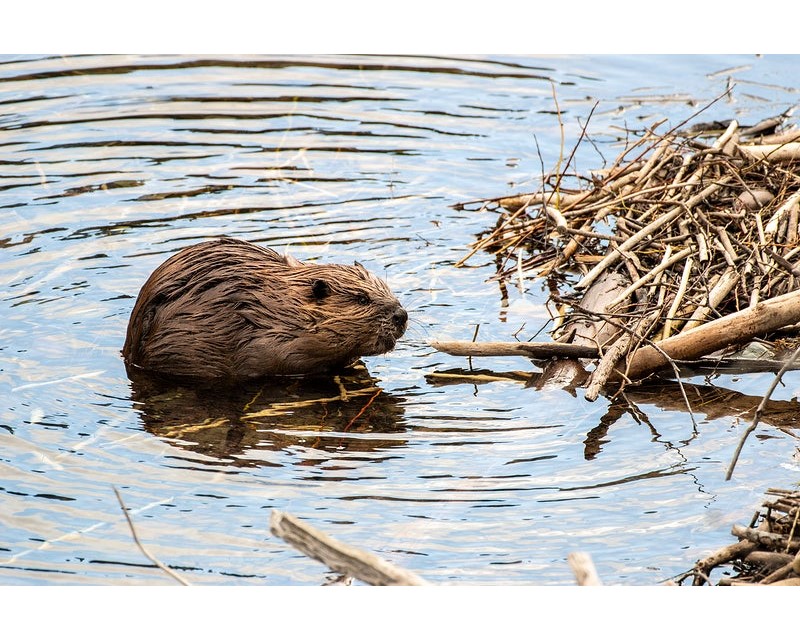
(109, 164)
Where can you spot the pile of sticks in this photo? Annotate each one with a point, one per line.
(768, 550)
(694, 224)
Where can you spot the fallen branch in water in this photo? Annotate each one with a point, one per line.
(764, 318)
(536, 350)
(584, 569)
(144, 551)
(338, 556)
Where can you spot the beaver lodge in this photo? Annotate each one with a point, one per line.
(680, 256)
(680, 253)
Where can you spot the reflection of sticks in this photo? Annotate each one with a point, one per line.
(363, 409)
(760, 411)
(339, 557)
(584, 570)
(146, 553)
(477, 377)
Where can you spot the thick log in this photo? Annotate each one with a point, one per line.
(765, 317)
(775, 152)
(340, 557)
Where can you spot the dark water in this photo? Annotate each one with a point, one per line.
(110, 164)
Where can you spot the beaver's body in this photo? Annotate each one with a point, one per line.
(231, 309)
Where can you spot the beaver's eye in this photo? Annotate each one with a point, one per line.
(320, 289)
(362, 299)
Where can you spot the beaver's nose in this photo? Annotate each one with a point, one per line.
(399, 318)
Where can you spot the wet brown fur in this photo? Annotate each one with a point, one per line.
(232, 309)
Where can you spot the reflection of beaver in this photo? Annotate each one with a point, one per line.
(248, 424)
(231, 309)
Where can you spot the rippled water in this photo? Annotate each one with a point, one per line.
(110, 164)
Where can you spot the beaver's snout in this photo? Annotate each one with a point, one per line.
(399, 319)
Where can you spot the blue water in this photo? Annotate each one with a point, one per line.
(109, 164)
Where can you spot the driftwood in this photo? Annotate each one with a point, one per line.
(766, 317)
(584, 569)
(339, 557)
(535, 350)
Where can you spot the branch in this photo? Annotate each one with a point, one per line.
(339, 557)
(144, 551)
(538, 350)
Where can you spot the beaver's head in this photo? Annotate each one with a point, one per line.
(355, 308)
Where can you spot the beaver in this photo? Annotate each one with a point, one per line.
(230, 309)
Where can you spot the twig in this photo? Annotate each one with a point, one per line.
(144, 551)
(760, 411)
(676, 303)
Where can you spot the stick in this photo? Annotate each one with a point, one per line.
(764, 538)
(659, 222)
(760, 411)
(765, 317)
(144, 551)
(772, 226)
(774, 152)
(605, 366)
(722, 287)
(664, 265)
(676, 303)
(584, 569)
(538, 350)
(339, 557)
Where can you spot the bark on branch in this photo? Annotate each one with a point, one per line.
(340, 557)
(538, 350)
(765, 317)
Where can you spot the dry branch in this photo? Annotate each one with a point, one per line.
(584, 569)
(767, 316)
(142, 548)
(536, 350)
(339, 557)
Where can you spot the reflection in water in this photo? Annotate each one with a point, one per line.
(348, 412)
(711, 402)
(715, 403)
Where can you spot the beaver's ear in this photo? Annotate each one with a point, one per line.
(320, 289)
